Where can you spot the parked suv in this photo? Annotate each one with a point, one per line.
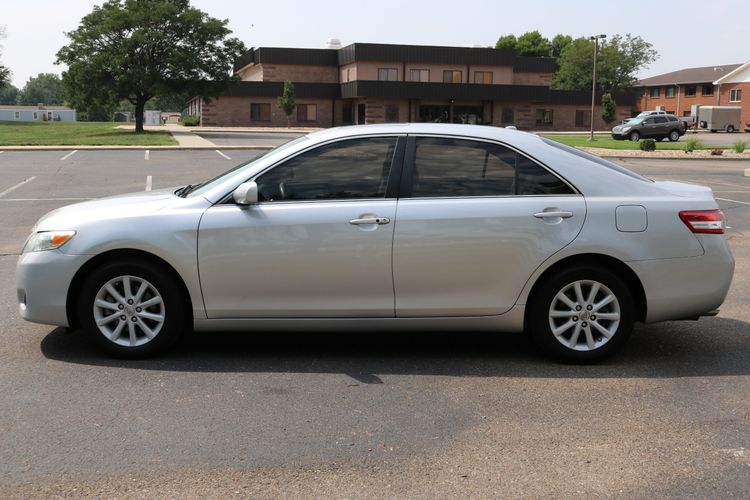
(657, 127)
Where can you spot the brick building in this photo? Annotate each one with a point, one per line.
(377, 83)
(679, 90)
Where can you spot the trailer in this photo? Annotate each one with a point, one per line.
(713, 118)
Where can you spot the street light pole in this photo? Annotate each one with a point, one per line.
(596, 39)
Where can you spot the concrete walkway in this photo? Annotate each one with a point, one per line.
(187, 139)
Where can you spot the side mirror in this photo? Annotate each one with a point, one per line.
(246, 193)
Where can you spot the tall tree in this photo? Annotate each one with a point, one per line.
(507, 42)
(532, 44)
(45, 88)
(8, 94)
(609, 108)
(287, 101)
(140, 49)
(558, 44)
(619, 61)
(4, 72)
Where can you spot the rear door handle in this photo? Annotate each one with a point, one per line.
(370, 220)
(563, 214)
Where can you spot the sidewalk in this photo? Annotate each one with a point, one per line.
(247, 130)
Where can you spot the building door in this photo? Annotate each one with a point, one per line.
(361, 113)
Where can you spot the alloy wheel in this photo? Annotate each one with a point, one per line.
(584, 315)
(129, 311)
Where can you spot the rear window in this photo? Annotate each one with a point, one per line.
(595, 159)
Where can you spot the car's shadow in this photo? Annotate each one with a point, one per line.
(715, 346)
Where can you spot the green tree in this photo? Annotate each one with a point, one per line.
(140, 49)
(533, 44)
(45, 88)
(8, 94)
(507, 42)
(558, 44)
(619, 61)
(286, 102)
(609, 108)
(4, 72)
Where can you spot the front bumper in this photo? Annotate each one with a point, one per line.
(619, 136)
(43, 280)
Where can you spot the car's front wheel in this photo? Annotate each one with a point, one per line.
(582, 314)
(674, 136)
(132, 310)
(635, 136)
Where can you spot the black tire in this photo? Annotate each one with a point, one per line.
(674, 135)
(634, 136)
(539, 321)
(174, 308)
(730, 129)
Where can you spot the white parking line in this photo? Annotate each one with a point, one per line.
(13, 188)
(69, 155)
(147, 151)
(148, 183)
(722, 199)
(222, 154)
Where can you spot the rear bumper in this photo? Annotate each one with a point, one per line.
(687, 287)
(43, 280)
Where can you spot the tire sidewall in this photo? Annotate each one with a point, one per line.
(538, 319)
(174, 310)
(634, 136)
(674, 136)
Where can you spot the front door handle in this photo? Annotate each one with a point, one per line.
(370, 220)
(563, 214)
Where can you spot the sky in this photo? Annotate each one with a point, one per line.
(687, 33)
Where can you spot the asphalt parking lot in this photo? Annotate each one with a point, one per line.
(352, 415)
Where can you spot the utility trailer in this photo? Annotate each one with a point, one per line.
(713, 118)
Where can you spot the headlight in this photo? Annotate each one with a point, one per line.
(625, 129)
(47, 240)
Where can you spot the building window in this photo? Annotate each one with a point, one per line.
(735, 95)
(260, 112)
(690, 91)
(307, 112)
(655, 92)
(17, 115)
(36, 115)
(583, 118)
(669, 113)
(388, 74)
(544, 117)
(391, 113)
(708, 90)
(506, 116)
(419, 75)
(450, 76)
(669, 92)
(482, 77)
(686, 113)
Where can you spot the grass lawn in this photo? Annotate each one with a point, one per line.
(77, 134)
(582, 141)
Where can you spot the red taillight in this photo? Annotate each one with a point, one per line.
(704, 221)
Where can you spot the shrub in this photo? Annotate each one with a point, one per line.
(717, 152)
(191, 121)
(648, 145)
(739, 146)
(691, 145)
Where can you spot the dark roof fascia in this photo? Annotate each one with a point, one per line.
(283, 55)
(473, 92)
(302, 90)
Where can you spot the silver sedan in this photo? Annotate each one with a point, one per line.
(410, 227)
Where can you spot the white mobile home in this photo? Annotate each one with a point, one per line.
(12, 113)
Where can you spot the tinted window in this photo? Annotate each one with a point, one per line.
(595, 159)
(459, 167)
(661, 119)
(672, 118)
(650, 121)
(356, 168)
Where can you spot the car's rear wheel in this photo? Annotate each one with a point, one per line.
(730, 129)
(674, 136)
(635, 136)
(132, 310)
(582, 314)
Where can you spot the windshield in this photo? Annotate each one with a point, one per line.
(199, 189)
